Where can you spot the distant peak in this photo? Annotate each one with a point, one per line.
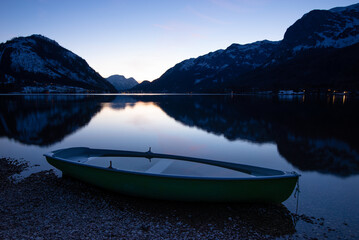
(39, 36)
(121, 83)
(34, 37)
(116, 75)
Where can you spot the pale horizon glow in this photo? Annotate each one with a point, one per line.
(143, 39)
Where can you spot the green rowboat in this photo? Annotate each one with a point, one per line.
(169, 177)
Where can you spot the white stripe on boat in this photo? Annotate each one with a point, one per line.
(160, 166)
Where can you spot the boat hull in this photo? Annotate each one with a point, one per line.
(270, 190)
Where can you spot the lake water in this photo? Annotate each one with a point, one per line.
(315, 136)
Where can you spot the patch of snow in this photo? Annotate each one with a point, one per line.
(339, 34)
(334, 37)
(25, 59)
(337, 43)
(187, 64)
(67, 72)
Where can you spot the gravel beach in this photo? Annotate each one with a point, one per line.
(44, 206)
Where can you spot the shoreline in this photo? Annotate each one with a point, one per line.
(259, 93)
(44, 206)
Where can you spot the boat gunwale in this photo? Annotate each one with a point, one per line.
(149, 154)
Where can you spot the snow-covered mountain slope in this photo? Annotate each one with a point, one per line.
(210, 70)
(248, 55)
(39, 64)
(337, 27)
(318, 35)
(121, 83)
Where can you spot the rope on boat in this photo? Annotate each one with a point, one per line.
(297, 190)
(295, 216)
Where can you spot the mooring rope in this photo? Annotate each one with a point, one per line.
(296, 195)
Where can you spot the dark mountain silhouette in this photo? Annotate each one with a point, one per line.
(39, 64)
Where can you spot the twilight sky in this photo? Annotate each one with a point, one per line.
(143, 38)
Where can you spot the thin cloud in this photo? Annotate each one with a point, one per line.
(205, 17)
(229, 5)
(239, 6)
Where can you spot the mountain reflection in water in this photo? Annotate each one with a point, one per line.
(43, 120)
(312, 133)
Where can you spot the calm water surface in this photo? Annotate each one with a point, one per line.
(314, 136)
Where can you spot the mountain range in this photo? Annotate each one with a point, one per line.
(39, 64)
(319, 51)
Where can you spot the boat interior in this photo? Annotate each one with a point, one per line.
(152, 163)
